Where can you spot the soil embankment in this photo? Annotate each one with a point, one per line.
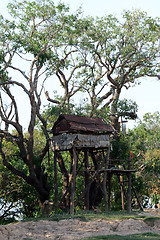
(76, 229)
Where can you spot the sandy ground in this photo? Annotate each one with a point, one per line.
(77, 229)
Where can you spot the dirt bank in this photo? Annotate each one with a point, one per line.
(76, 229)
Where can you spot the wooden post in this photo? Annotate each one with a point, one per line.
(129, 186)
(122, 194)
(105, 191)
(73, 180)
(109, 176)
(86, 175)
(109, 191)
(55, 181)
(106, 163)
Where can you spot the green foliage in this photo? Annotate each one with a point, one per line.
(146, 135)
(18, 199)
(126, 44)
(145, 142)
(152, 160)
(120, 147)
(126, 108)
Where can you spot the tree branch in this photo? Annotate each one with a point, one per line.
(51, 100)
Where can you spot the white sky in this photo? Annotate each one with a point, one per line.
(147, 95)
(102, 7)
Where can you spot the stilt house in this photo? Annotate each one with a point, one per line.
(88, 142)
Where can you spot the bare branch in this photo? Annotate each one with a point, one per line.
(51, 100)
(11, 82)
(19, 70)
(59, 77)
(5, 134)
(13, 102)
(104, 97)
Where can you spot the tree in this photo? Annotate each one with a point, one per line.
(113, 55)
(44, 42)
(17, 197)
(123, 52)
(34, 38)
(145, 143)
(73, 63)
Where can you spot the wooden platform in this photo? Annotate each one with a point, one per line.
(115, 170)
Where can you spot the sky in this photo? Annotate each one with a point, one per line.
(147, 94)
(102, 7)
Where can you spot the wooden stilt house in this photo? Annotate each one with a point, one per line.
(87, 140)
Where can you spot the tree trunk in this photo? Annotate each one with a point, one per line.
(42, 199)
(114, 122)
(114, 117)
(66, 190)
(42, 188)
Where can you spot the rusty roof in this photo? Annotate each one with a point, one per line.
(80, 124)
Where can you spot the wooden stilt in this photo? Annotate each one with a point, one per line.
(109, 191)
(73, 180)
(129, 187)
(106, 163)
(109, 176)
(122, 193)
(105, 191)
(55, 181)
(129, 194)
(86, 175)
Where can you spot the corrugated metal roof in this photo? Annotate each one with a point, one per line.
(74, 123)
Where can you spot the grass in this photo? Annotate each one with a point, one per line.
(91, 215)
(27, 238)
(142, 236)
